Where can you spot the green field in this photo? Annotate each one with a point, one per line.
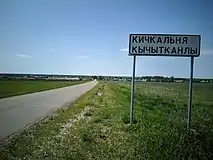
(96, 126)
(10, 88)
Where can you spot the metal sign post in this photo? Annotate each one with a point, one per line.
(190, 94)
(132, 92)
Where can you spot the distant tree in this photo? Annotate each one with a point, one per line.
(172, 79)
(100, 77)
(148, 79)
(94, 77)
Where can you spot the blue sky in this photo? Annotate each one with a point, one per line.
(91, 36)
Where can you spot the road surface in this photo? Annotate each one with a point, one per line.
(18, 112)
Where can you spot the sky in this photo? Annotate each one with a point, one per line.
(91, 36)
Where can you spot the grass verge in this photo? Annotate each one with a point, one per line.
(96, 126)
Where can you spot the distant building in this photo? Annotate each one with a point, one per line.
(179, 81)
(74, 79)
(153, 80)
(204, 81)
(144, 80)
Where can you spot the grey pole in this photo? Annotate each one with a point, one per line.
(132, 91)
(190, 95)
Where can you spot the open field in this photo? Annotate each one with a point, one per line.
(10, 88)
(96, 126)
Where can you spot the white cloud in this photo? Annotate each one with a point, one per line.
(23, 56)
(82, 57)
(124, 50)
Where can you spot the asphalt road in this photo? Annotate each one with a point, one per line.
(20, 111)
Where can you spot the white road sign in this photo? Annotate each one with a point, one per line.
(164, 45)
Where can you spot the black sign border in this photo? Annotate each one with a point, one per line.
(163, 54)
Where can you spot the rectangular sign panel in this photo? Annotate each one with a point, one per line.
(164, 45)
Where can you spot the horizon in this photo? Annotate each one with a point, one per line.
(91, 38)
(129, 76)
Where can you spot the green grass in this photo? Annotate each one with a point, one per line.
(96, 126)
(10, 88)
